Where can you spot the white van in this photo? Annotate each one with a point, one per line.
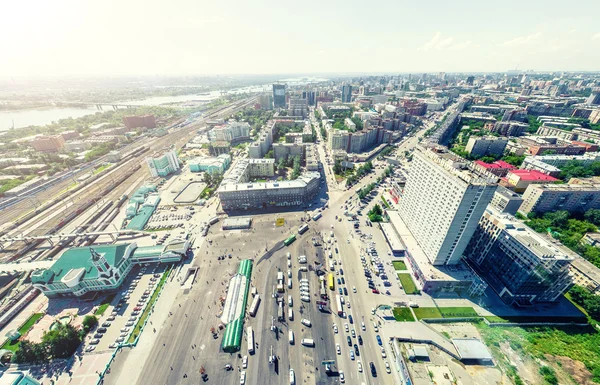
(289, 284)
(289, 273)
(375, 327)
(291, 336)
(308, 342)
(290, 301)
(303, 268)
(305, 298)
(306, 322)
(292, 377)
(331, 266)
(291, 314)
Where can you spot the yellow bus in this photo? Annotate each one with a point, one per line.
(330, 281)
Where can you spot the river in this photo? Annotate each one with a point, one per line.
(43, 116)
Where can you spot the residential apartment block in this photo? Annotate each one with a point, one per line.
(212, 165)
(499, 168)
(574, 198)
(232, 132)
(519, 180)
(522, 266)
(486, 145)
(506, 201)
(45, 143)
(443, 199)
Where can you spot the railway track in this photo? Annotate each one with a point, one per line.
(98, 192)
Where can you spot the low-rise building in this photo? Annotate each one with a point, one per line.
(572, 197)
(47, 143)
(585, 274)
(537, 145)
(521, 266)
(163, 165)
(533, 163)
(519, 179)
(218, 148)
(147, 121)
(485, 145)
(211, 165)
(77, 146)
(499, 168)
(232, 132)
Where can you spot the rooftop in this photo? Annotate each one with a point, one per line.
(472, 349)
(496, 164)
(78, 258)
(532, 175)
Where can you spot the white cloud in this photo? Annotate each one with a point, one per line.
(521, 40)
(437, 42)
(596, 36)
(461, 46)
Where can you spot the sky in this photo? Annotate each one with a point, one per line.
(41, 38)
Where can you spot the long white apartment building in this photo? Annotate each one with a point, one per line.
(443, 200)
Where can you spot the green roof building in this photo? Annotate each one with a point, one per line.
(102, 268)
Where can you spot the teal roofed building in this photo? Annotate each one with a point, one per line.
(212, 165)
(17, 378)
(103, 268)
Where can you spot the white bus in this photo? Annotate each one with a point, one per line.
(250, 340)
(254, 306)
(302, 229)
(213, 220)
(340, 307)
(317, 216)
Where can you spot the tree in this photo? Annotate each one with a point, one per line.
(337, 167)
(375, 215)
(296, 169)
(269, 155)
(282, 162)
(63, 341)
(89, 322)
(593, 216)
(30, 352)
(558, 218)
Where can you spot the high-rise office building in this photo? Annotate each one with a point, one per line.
(594, 98)
(522, 267)
(346, 94)
(279, 95)
(443, 200)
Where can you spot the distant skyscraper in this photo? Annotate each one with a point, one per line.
(311, 96)
(470, 80)
(443, 200)
(346, 94)
(279, 95)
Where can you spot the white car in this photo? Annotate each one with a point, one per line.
(387, 367)
(305, 322)
(383, 352)
(359, 364)
(363, 326)
(335, 328)
(354, 289)
(244, 362)
(342, 378)
(90, 348)
(338, 349)
(346, 327)
(292, 377)
(243, 377)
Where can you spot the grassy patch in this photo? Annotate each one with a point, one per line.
(427, 312)
(104, 305)
(138, 327)
(495, 319)
(407, 283)
(101, 168)
(403, 314)
(399, 265)
(14, 345)
(458, 312)
(385, 203)
(578, 343)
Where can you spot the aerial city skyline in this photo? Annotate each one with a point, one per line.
(315, 193)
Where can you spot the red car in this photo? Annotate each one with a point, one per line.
(138, 308)
(375, 291)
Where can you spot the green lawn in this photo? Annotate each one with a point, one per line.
(458, 312)
(14, 345)
(403, 314)
(146, 313)
(407, 283)
(102, 308)
(399, 265)
(427, 312)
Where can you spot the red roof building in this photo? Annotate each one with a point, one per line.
(499, 168)
(520, 179)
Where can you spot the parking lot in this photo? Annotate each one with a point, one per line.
(120, 318)
(170, 218)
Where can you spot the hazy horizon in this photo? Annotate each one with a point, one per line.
(66, 38)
